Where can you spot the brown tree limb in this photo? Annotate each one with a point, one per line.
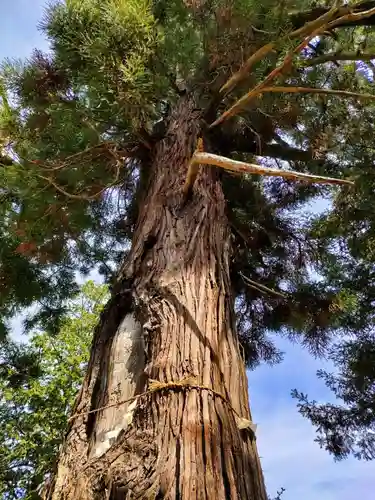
(312, 90)
(338, 56)
(288, 60)
(323, 24)
(299, 19)
(253, 142)
(286, 153)
(243, 72)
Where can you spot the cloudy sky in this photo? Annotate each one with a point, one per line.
(290, 457)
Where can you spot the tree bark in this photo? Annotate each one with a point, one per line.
(171, 316)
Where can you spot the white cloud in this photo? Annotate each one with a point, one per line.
(290, 458)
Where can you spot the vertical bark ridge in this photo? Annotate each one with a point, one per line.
(180, 445)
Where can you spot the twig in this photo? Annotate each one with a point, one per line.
(68, 159)
(337, 56)
(73, 195)
(260, 287)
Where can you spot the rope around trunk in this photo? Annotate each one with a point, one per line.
(185, 383)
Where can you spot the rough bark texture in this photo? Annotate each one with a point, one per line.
(172, 444)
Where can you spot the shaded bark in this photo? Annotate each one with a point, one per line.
(170, 316)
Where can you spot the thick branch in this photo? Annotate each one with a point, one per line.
(285, 153)
(248, 168)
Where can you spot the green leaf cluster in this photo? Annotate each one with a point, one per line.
(38, 383)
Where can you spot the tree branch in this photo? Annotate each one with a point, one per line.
(311, 90)
(243, 72)
(288, 60)
(260, 89)
(248, 168)
(249, 142)
(285, 153)
(324, 20)
(261, 288)
(338, 56)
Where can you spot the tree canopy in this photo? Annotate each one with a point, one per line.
(38, 383)
(282, 84)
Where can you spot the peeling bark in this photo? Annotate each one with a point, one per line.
(127, 363)
(172, 444)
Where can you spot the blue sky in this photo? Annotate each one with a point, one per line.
(290, 458)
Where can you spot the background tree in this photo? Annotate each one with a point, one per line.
(39, 381)
(104, 143)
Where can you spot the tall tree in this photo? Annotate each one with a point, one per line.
(39, 381)
(144, 125)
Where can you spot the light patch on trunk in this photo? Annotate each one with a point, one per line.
(126, 367)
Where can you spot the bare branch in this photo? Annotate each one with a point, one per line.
(288, 60)
(338, 56)
(261, 288)
(325, 23)
(73, 196)
(193, 170)
(245, 69)
(79, 196)
(248, 168)
(311, 90)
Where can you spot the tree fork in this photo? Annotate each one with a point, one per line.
(180, 444)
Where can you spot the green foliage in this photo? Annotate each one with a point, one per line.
(38, 383)
(350, 428)
(108, 45)
(78, 129)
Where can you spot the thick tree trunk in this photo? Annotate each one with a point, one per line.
(171, 317)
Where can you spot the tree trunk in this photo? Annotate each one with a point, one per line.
(171, 316)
